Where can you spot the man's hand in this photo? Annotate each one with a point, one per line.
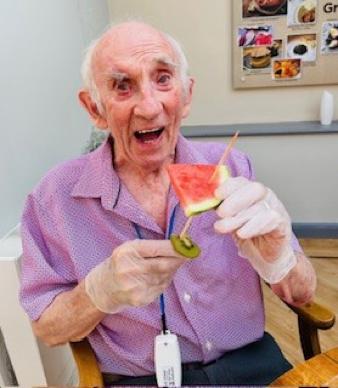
(135, 275)
(260, 226)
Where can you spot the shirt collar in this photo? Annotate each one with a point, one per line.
(187, 152)
(99, 179)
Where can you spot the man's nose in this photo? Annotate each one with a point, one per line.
(149, 106)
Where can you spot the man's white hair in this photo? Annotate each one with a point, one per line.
(87, 68)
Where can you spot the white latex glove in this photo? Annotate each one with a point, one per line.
(260, 226)
(135, 275)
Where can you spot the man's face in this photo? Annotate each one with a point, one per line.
(142, 95)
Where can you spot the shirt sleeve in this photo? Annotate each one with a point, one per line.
(251, 173)
(46, 270)
(240, 165)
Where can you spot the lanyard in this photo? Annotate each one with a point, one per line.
(167, 235)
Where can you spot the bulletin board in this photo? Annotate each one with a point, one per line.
(284, 43)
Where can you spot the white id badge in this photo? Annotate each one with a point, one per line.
(168, 360)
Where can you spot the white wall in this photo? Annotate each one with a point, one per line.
(41, 122)
(301, 169)
(204, 29)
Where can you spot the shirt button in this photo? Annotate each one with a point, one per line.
(209, 345)
(187, 297)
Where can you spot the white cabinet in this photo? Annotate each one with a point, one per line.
(34, 364)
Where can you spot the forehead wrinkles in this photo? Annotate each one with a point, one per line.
(114, 52)
(155, 50)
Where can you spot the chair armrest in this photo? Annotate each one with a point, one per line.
(315, 315)
(87, 366)
(311, 317)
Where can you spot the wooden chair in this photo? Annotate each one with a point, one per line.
(311, 318)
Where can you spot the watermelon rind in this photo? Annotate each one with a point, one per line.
(194, 209)
(197, 208)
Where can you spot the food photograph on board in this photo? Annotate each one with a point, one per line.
(258, 59)
(302, 46)
(286, 69)
(264, 8)
(302, 12)
(330, 38)
(254, 36)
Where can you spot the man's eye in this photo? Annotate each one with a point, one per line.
(164, 79)
(122, 86)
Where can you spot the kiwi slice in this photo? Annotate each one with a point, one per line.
(185, 246)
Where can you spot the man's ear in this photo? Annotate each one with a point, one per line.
(188, 98)
(90, 106)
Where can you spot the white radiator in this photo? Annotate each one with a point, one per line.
(33, 363)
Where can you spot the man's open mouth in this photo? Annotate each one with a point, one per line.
(149, 135)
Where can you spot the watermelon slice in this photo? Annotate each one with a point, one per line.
(195, 188)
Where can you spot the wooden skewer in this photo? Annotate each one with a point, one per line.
(225, 153)
(186, 227)
(221, 161)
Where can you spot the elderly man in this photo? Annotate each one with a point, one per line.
(95, 233)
